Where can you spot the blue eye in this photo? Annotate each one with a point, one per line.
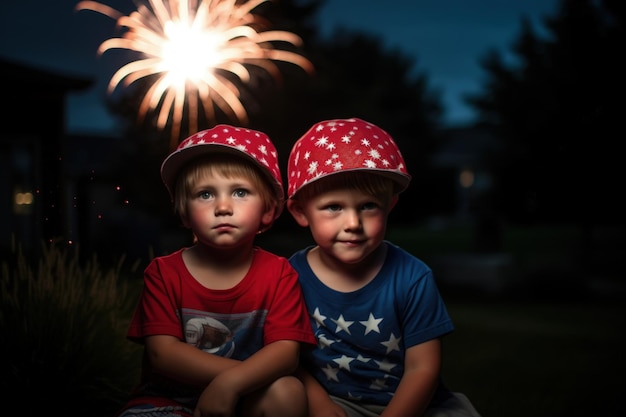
(205, 195)
(240, 193)
(370, 206)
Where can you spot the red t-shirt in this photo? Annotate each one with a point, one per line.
(266, 306)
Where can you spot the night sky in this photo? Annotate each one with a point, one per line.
(445, 38)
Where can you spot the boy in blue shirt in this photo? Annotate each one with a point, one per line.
(376, 311)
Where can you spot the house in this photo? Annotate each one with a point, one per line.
(32, 154)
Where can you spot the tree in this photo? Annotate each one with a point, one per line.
(558, 107)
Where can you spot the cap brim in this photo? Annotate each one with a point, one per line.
(177, 159)
(401, 181)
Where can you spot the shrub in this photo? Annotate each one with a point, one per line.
(62, 341)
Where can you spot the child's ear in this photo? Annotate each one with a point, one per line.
(297, 212)
(393, 202)
(268, 217)
(185, 221)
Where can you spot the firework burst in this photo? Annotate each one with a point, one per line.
(191, 47)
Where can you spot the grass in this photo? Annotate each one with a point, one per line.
(538, 359)
(62, 343)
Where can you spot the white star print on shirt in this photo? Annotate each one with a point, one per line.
(378, 384)
(342, 324)
(319, 318)
(353, 397)
(324, 341)
(331, 373)
(344, 362)
(385, 365)
(392, 343)
(371, 325)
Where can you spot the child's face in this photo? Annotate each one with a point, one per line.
(225, 212)
(347, 225)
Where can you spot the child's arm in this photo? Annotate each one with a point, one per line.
(273, 361)
(183, 362)
(422, 366)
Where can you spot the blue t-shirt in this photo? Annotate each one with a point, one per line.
(362, 335)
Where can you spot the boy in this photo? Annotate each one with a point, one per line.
(376, 311)
(221, 320)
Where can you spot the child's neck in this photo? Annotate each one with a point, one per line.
(346, 277)
(218, 268)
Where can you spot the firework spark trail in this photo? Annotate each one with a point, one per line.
(190, 44)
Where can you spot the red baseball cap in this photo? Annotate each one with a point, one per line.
(249, 144)
(334, 146)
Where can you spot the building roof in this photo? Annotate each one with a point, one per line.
(17, 75)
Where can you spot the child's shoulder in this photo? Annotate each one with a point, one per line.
(399, 256)
(299, 255)
(263, 255)
(172, 257)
